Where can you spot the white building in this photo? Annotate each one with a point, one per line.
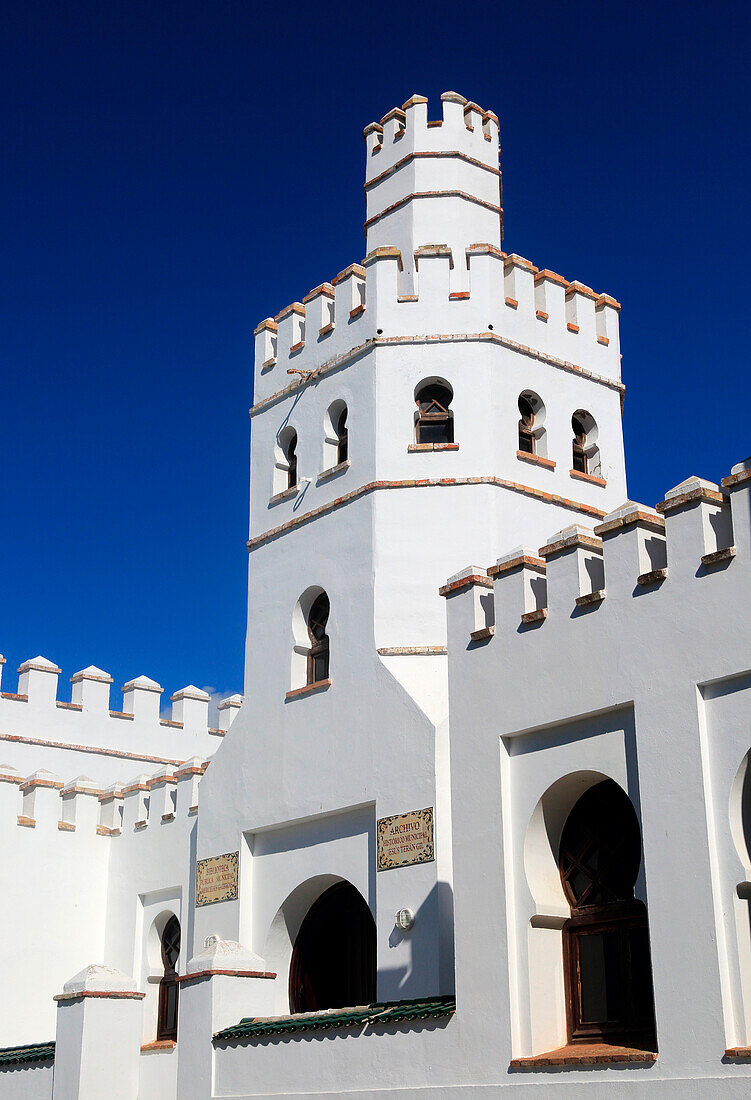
(496, 843)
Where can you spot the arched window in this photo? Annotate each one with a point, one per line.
(585, 452)
(606, 940)
(318, 654)
(434, 421)
(285, 460)
(526, 426)
(334, 957)
(335, 435)
(168, 986)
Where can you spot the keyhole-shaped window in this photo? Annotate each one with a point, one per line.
(318, 654)
(580, 462)
(526, 426)
(434, 421)
(168, 986)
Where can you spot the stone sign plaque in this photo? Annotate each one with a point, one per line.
(405, 839)
(216, 878)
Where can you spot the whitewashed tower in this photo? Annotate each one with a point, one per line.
(434, 300)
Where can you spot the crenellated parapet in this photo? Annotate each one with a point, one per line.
(698, 530)
(90, 693)
(44, 802)
(507, 301)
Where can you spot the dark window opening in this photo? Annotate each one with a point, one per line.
(435, 421)
(580, 463)
(168, 986)
(606, 955)
(318, 654)
(291, 456)
(334, 957)
(526, 426)
(340, 427)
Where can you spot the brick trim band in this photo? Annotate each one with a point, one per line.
(361, 350)
(87, 748)
(448, 194)
(422, 483)
(419, 155)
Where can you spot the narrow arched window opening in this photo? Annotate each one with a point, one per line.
(334, 957)
(291, 456)
(285, 460)
(318, 654)
(340, 428)
(168, 986)
(526, 426)
(585, 451)
(434, 421)
(580, 461)
(606, 953)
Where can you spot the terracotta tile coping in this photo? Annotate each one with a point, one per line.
(537, 564)
(585, 1054)
(646, 519)
(412, 651)
(361, 350)
(422, 483)
(536, 460)
(113, 994)
(465, 582)
(87, 748)
(736, 479)
(586, 542)
(309, 689)
(719, 556)
(591, 598)
(12, 695)
(184, 978)
(656, 576)
(701, 493)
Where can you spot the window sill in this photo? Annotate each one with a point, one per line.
(590, 478)
(416, 448)
(287, 494)
(738, 1054)
(333, 470)
(160, 1044)
(536, 460)
(309, 689)
(585, 1054)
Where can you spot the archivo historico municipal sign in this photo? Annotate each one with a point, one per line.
(405, 839)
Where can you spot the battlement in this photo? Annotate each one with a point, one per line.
(507, 299)
(698, 530)
(464, 129)
(44, 801)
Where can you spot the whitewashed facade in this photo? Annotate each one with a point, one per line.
(599, 640)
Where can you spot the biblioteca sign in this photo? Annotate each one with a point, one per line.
(216, 878)
(405, 839)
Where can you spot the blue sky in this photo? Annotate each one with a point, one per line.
(173, 173)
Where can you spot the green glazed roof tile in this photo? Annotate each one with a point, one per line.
(382, 1012)
(36, 1052)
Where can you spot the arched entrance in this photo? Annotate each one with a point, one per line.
(334, 957)
(606, 941)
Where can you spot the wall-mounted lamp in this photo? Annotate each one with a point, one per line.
(404, 920)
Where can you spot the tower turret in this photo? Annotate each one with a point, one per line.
(433, 183)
